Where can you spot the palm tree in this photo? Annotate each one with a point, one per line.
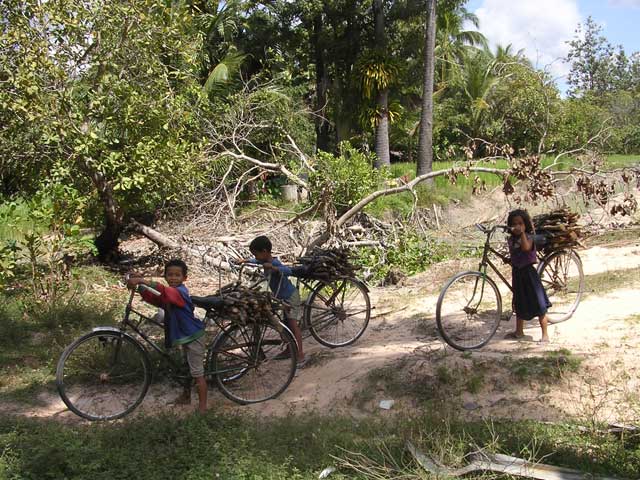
(452, 42)
(479, 81)
(217, 25)
(425, 138)
(383, 157)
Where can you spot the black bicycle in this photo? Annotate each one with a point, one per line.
(105, 374)
(469, 308)
(336, 312)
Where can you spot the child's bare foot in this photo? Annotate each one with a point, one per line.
(545, 339)
(518, 336)
(183, 399)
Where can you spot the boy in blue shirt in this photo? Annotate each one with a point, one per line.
(281, 287)
(181, 325)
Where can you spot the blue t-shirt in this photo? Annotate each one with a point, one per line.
(182, 325)
(279, 282)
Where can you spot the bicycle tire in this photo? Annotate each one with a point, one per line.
(243, 361)
(559, 263)
(327, 312)
(106, 398)
(453, 327)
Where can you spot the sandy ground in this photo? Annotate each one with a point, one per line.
(402, 341)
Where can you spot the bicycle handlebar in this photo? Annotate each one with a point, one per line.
(486, 230)
(150, 290)
(144, 287)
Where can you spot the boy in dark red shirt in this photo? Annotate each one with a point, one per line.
(181, 325)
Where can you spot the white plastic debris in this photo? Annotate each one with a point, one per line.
(326, 472)
(386, 404)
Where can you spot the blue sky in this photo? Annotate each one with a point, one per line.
(541, 27)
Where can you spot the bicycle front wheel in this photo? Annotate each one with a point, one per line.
(563, 280)
(338, 312)
(468, 311)
(103, 375)
(248, 365)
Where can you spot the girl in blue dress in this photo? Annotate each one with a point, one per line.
(529, 298)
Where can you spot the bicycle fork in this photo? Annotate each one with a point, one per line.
(471, 310)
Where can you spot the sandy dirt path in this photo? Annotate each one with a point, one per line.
(402, 338)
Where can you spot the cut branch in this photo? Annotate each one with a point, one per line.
(273, 167)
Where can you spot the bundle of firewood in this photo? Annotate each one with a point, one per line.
(560, 229)
(242, 305)
(325, 264)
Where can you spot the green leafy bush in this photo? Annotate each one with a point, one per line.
(411, 254)
(349, 176)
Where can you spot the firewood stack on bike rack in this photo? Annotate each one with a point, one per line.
(325, 264)
(559, 228)
(242, 305)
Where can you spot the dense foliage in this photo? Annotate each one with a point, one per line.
(114, 109)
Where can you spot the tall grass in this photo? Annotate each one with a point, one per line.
(222, 446)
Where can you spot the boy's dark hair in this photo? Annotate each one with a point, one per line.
(260, 244)
(176, 262)
(528, 224)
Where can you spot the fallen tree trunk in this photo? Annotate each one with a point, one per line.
(166, 242)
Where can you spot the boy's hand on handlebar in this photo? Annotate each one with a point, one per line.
(269, 266)
(134, 281)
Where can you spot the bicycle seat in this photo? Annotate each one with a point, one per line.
(209, 302)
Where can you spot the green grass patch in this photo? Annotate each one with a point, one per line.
(614, 236)
(611, 280)
(633, 319)
(442, 192)
(218, 446)
(547, 368)
(33, 334)
(619, 161)
(394, 383)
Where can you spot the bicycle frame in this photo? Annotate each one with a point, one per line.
(135, 326)
(488, 249)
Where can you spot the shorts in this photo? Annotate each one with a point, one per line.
(194, 351)
(296, 311)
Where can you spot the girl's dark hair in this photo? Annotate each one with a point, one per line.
(260, 244)
(528, 224)
(176, 262)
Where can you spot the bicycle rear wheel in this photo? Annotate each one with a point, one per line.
(563, 280)
(468, 311)
(103, 375)
(338, 312)
(244, 364)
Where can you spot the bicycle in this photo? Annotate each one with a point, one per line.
(106, 373)
(336, 312)
(469, 308)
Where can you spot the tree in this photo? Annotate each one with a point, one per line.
(452, 41)
(593, 62)
(425, 145)
(479, 80)
(382, 98)
(105, 91)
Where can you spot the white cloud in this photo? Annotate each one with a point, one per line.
(540, 27)
(625, 3)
